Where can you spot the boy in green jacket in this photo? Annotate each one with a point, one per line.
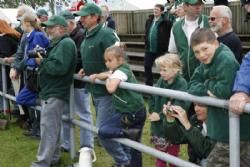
(215, 77)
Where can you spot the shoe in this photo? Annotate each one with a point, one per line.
(31, 134)
(28, 133)
(123, 165)
(64, 149)
(133, 134)
(55, 163)
(87, 157)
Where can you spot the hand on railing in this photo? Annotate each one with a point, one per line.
(238, 101)
(81, 73)
(8, 60)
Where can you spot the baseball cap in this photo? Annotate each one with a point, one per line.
(193, 2)
(55, 20)
(42, 12)
(67, 15)
(88, 9)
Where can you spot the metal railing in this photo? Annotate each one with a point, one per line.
(233, 119)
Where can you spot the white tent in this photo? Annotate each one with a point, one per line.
(9, 15)
(131, 4)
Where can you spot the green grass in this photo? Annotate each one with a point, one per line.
(17, 150)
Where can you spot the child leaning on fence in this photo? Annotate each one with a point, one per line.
(129, 116)
(215, 77)
(167, 139)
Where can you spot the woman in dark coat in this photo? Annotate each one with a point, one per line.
(9, 39)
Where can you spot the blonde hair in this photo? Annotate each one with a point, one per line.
(118, 50)
(171, 60)
(33, 20)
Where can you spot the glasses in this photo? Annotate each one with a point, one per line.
(214, 18)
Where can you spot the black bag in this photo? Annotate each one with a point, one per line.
(31, 80)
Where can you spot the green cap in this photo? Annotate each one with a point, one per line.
(55, 20)
(67, 15)
(88, 9)
(42, 12)
(193, 2)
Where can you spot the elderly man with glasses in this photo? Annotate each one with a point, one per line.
(220, 21)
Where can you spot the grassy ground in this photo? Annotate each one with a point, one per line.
(17, 150)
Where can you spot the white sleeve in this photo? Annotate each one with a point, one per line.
(118, 74)
(172, 47)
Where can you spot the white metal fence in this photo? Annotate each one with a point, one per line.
(233, 119)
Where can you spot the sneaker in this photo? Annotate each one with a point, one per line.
(63, 149)
(31, 134)
(55, 163)
(87, 157)
(122, 165)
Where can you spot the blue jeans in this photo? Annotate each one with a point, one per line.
(104, 111)
(82, 109)
(112, 128)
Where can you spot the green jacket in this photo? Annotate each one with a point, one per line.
(92, 52)
(218, 77)
(156, 105)
(57, 69)
(127, 100)
(185, 52)
(199, 146)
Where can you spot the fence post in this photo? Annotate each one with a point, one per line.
(71, 117)
(4, 87)
(234, 139)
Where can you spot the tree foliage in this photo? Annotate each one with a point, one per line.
(32, 3)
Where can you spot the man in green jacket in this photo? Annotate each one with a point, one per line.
(179, 41)
(97, 39)
(55, 76)
(215, 77)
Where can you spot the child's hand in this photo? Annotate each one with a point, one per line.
(92, 78)
(81, 73)
(154, 117)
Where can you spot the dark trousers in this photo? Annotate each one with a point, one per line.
(35, 121)
(112, 129)
(149, 60)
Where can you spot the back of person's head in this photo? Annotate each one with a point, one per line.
(105, 10)
(169, 60)
(32, 19)
(160, 6)
(22, 9)
(118, 50)
(201, 35)
(5, 28)
(70, 18)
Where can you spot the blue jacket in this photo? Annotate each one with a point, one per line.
(242, 79)
(35, 38)
(26, 96)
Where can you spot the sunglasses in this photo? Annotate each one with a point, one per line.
(214, 18)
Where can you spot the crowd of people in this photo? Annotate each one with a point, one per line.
(44, 53)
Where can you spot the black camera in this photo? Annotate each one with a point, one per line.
(37, 52)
